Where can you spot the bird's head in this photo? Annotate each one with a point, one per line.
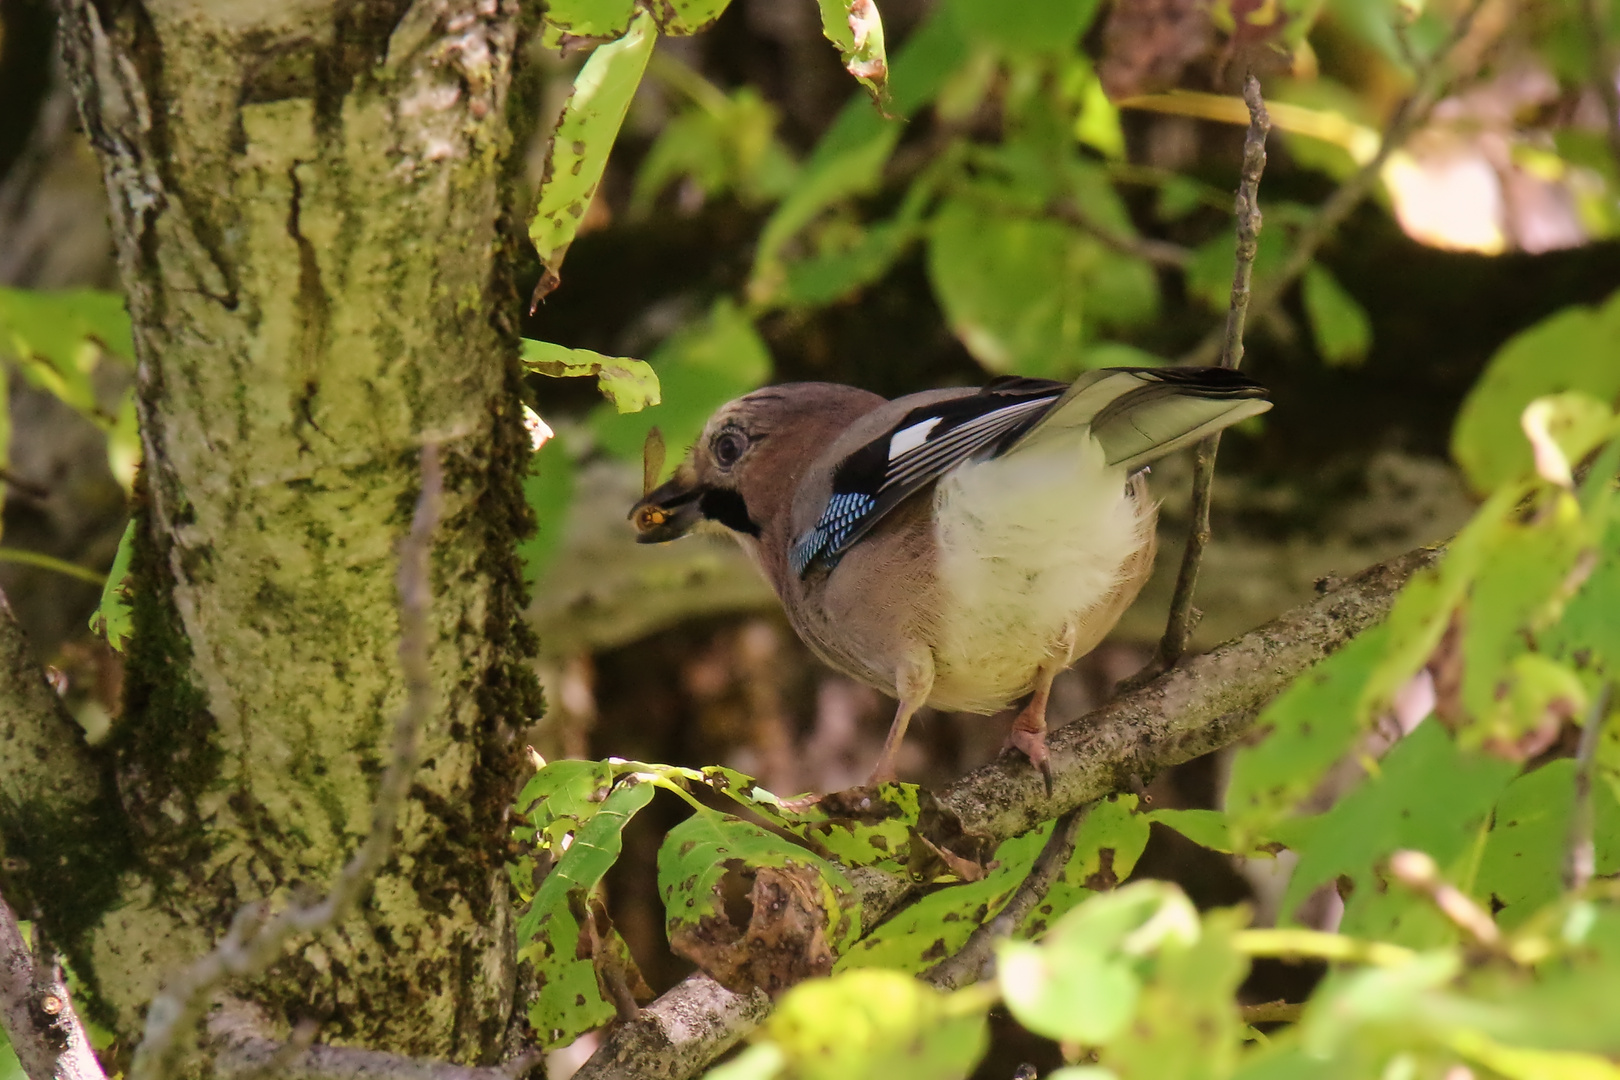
(743, 470)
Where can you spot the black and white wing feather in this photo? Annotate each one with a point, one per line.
(1137, 415)
(926, 443)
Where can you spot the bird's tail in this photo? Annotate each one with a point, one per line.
(1141, 414)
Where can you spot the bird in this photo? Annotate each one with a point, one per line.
(955, 548)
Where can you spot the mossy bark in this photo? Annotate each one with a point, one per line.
(307, 200)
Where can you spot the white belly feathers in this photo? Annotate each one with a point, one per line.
(1028, 544)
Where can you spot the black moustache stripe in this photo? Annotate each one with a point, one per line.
(728, 508)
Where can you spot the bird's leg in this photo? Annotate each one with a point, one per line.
(913, 682)
(1029, 726)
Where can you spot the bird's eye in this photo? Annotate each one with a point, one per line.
(728, 447)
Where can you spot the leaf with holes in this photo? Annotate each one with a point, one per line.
(571, 22)
(631, 385)
(749, 907)
(563, 932)
(112, 619)
(856, 28)
(579, 148)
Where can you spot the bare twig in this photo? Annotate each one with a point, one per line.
(254, 940)
(1207, 703)
(1603, 73)
(46, 1035)
(1580, 857)
(1158, 252)
(1407, 118)
(1179, 627)
(1418, 872)
(973, 961)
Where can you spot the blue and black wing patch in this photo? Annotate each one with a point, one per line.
(926, 443)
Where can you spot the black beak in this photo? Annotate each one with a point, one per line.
(667, 512)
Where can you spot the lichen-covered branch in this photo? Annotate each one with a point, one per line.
(45, 1032)
(1207, 703)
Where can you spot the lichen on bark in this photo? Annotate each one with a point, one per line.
(308, 202)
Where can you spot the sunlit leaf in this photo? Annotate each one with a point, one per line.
(682, 17)
(699, 368)
(569, 20)
(877, 1025)
(856, 29)
(631, 385)
(585, 134)
(112, 619)
(1571, 350)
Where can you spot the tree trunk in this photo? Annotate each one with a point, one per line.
(308, 201)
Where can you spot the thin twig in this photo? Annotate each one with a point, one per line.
(1418, 872)
(1158, 252)
(1580, 856)
(1603, 72)
(1183, 617)
(38, 1014)
(972, 961)
(254, 942)
(1407, 118)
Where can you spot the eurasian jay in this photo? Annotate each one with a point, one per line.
(955, 548)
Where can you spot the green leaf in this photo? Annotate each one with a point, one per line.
(59, 337)
(877, 1025)
(1206, 828)
(548, 488)
(849, 159)
(10, 1067)
(555, 933)
(566, 21)
(1082, 981)
(700, 368)
(1186, 1025)
(723, 143)
(1571, 350)
(1522, 868)
(921, 934)
(1031, 26)
(1339, 324)
(631, 385)
(112, 619)
(1427, 796)
(861, 827)
(679, 18)
(1308, 728)
(1012, 288)
(585, 134)
(856, 28)
(799, 902)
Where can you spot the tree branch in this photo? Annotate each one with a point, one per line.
(1407, 118)
(38, 1013)
(254, 942)
(971, 963)
(1207, 703)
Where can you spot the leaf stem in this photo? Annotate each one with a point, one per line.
(50, 562)
(1320, 945)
